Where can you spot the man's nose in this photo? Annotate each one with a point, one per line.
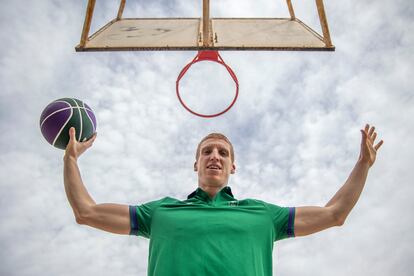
(214, 155)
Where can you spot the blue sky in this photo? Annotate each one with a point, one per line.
(295, 129)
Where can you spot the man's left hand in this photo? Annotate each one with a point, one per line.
(368, 150)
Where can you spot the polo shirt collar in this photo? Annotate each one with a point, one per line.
(224, 194)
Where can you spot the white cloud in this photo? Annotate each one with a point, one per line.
(295, 128)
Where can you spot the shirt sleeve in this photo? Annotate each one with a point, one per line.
(283, 221)
(141, 216)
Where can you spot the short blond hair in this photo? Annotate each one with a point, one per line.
(216, 136)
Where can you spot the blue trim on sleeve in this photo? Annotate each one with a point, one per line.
(291, 222)
(134, 220)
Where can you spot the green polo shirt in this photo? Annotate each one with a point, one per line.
(217, 236)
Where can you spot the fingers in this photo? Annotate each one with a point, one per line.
(371, 131)
(72, 133)
(72, 137)
(372, 135)
(91, 140)
(71, 144)
(364, 135)
(379, 145)
(94, 136)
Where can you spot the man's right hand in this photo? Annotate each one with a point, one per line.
(74, 148)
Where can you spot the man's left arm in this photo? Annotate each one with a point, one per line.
(310, 220)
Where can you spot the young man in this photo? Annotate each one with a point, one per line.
(212, 233)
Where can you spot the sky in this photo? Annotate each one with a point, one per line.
(295, 129)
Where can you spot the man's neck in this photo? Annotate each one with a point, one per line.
(211, 190)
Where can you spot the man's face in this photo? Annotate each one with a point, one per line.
(214, 164)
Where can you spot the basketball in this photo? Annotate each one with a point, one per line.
(60, 115)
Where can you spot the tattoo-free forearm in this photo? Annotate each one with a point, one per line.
(76, 192)
(347, 196)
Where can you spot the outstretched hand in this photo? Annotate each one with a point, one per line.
(74, 148)
(368, 150)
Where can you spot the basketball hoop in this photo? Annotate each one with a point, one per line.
(209, 56)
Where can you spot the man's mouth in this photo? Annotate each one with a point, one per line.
(213, 167)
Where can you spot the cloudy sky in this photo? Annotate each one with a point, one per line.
(295, 129)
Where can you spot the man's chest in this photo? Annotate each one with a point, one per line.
(195, 220)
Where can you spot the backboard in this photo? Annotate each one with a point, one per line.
(205, 33)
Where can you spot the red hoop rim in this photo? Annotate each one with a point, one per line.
(207, 55)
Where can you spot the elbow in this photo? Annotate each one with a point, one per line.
(83, 218)
(80, 220)
(339, 219)
(340, 222)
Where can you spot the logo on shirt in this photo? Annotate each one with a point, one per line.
(233, 203)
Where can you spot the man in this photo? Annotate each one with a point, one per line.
(212, 233)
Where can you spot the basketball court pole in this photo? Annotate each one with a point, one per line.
(121, 10)
(324, 23)
(206, 23)
(291, 11)
(87, 23)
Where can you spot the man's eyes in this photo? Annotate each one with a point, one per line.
(222, 152)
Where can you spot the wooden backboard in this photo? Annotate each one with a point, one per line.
(138, 34)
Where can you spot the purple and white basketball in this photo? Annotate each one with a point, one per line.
(59, 116)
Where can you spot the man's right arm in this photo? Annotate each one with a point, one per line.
(109, 217)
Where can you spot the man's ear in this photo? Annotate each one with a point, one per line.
(233, 169)
(195, 166)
